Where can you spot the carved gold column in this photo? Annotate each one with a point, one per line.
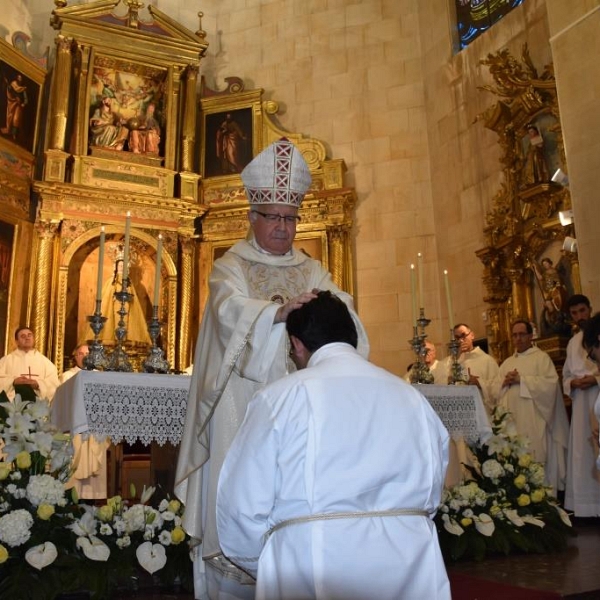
(42, 296)
(189, 179)
(184, 350)
(56, 157)
(519, 306)
(81, 68)
(335, 241)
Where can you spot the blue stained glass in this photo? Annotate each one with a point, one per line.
(473, 17)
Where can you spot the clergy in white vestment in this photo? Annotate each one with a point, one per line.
(478, 367)
(580, 381)
(27, 368)
(242, 346)
(528, 387)
(436, 367)
(591, 343)
(330, 487)
(89, 454)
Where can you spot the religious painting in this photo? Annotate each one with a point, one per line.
(20, 95)
(127, 107)
(227, 142)
(7, 238)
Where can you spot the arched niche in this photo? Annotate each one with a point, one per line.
(78, 290)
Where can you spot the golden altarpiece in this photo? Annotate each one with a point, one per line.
(529, 269)
(130, 129)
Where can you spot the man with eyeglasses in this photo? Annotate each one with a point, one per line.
(479, 368)
(527, 385)
(591, 343)
(243, 346)
(580, 383)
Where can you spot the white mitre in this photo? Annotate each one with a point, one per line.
(278, 175)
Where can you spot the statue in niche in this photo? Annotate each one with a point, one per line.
(231, 146)
(555, 318)
(135, 321)
(145, 132)
(107, 128)
(536, 169)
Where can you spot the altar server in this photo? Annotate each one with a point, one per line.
(331, 484)
(242, 346)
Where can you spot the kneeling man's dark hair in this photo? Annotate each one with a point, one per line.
(323, 320)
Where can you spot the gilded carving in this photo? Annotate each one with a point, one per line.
(522, 224)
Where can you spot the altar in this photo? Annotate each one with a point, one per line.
(142, 414)
(461, 410)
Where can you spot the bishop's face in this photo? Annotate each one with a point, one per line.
(274, 226)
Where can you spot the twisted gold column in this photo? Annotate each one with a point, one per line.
(42, 296)
(59, 104)
(185, 303)
(335, 242)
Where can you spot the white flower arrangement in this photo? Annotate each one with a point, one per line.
(505, 505)
(49, 539)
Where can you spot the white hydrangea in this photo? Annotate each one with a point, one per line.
(15, 527)
(536, 474)
(45, 489)
(492, 469)
(135, 518)
(124, 542)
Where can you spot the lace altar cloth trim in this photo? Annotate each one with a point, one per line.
(134, 413)
(460, 409)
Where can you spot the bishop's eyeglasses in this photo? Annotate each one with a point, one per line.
(272, 217)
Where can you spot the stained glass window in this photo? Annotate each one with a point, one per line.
(473, 17)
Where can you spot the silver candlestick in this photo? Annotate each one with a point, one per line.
(155, 361)
(119, 361)
(420, 372)
(96, 359)
(456, 376)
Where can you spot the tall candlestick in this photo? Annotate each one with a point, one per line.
(449, 300)
(420, 273)
(126, 247)
(157, 274)
(100, 267)
(413, 294)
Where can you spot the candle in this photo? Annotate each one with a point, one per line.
(157, 274)
(420, 273)
(100, 267)
(126, 247)
(449, 300)
(413, 294)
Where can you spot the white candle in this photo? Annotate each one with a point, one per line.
(157, 274)
(100, 267)
(413, 293)
(449, 300)
(126, 247)
(420, 273)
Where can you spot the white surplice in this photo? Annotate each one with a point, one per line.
(239, 350)
(19, 363)
(89, 458)
(341, 436)
(538, 409)
(582, 494)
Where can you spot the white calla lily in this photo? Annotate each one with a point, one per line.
(564, 517)
(533, 521)
(513, 516)
(41, 556)
(93, 548)
(485, 525)
(451, 526)
(152, 557)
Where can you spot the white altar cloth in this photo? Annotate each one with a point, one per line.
(461, 410)
(123, 406)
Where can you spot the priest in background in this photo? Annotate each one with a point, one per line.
(242, 346)
(89, 455)
(26, 371)
(527, 385)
